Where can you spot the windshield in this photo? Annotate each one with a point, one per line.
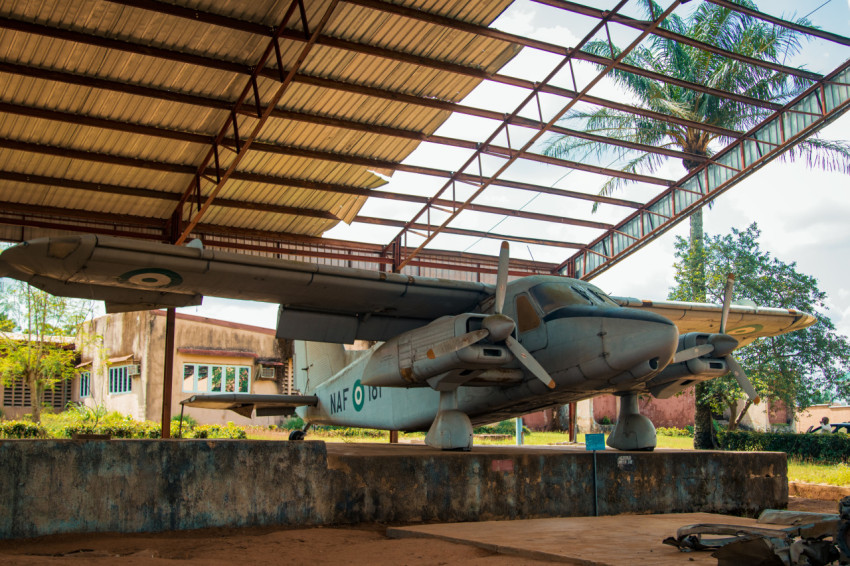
(551, 296)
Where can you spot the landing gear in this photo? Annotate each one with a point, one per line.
(299, 434)
(451, 429)
(633, 431)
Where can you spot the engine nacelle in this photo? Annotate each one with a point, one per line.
(676, 377)
(403, 360)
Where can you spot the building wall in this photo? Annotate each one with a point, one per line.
(139, 338)
(813, 415)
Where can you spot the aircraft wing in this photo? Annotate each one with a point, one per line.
(245, 403)
(746, 323)
(318, 302)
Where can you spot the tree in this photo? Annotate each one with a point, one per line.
(37, 355)
(801, 368)
(731, 31)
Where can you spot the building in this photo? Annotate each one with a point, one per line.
(16, 397)
(122, 364)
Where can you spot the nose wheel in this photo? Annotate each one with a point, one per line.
(299, 434)
(633, 431)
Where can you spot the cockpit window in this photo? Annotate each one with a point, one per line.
(603, 297)
(551, 296)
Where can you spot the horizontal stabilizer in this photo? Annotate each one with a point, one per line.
(245, 403)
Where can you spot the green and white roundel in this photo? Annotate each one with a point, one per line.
(358, 395)
(152, 278)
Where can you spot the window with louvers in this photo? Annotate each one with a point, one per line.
(18, 395)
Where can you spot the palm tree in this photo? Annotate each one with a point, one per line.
(729, 30)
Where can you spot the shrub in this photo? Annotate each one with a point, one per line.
(504, 427)
(188, 421)
(673, 431)
(293, 423)
(606, 420)
(217, 431)
(822, 448)
(21, 429)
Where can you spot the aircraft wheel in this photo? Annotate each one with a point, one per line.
(297, 435)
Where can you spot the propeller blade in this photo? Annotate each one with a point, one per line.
(742, 378)
(502, 277)
(692, 353)
(527, 360)
(452, 345)
(727, 301)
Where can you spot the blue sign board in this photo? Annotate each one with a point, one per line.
(594, 441)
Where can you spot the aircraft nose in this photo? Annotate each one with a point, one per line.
(633, 338)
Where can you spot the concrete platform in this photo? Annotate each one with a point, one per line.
(589, 541)
(62, 486)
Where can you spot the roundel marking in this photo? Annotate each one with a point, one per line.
(358, 395)
(152, 278)
(749, 329)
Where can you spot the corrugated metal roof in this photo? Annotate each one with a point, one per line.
(144, 54)
(117, 117)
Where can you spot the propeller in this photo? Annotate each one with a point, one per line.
(724, 346)
(498, 327)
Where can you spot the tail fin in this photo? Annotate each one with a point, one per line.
(315, 363)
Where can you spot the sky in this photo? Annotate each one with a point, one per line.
(803, 214)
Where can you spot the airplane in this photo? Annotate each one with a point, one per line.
(446, 354)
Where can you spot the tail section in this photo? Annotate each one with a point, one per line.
(315, 363)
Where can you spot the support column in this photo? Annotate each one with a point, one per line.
(168, 374)
(572, 425)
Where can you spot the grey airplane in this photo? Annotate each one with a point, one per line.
(446, 354)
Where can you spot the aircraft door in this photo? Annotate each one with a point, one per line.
(531, 331)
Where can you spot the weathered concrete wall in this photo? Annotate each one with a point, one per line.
(60, 486)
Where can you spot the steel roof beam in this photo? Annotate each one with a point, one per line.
(834, 37)
(105, 188)
(732, 175)
(301, 183)
(425, 102)
(331, 121)
(464, 232)
(207, 62)
(485, 183)
(640, 25)
(182, 233)
(346, 45)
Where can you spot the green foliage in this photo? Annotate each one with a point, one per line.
(504, 427)
(21, 429)
(38, 356)
(350, 432)
(801, 368)
(673, 431)
(606, 420)
(293, 423)
(188, 421)
(216, 431)
(821, 448)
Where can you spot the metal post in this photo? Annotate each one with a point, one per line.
(168, 374)
(519, 431)
(393, 437)
(572, 424)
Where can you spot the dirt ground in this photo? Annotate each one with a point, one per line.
(356, 546)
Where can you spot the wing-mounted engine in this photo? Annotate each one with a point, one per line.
(704, 356)
(408, 360)
(710, 362)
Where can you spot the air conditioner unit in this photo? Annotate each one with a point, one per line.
(134, 370)
(266, 373)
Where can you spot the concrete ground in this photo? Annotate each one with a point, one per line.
(613, 540)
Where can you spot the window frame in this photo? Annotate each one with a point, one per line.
(227, 374)
(120, 381)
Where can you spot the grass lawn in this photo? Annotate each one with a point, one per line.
(834, 474)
